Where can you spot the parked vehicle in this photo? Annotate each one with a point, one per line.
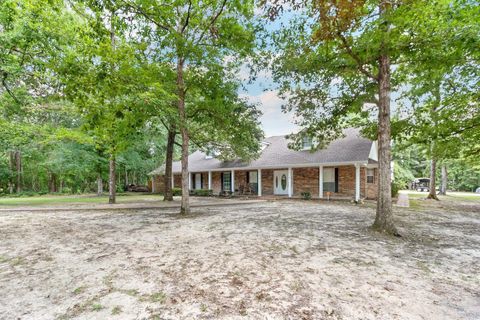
(478, 190)
(137, 188)
(421, 184)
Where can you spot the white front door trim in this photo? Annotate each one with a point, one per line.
(198, 181)
(280, 182)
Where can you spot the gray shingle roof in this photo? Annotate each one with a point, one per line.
(350, 149)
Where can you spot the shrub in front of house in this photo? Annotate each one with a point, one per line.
(396, 187)
(203, 192)
(306, 195)
(177, 192)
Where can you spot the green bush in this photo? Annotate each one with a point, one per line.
(396, 187)
(203, 192)
(176, 191)
(306, 195)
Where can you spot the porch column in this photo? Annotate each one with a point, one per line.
(357, 182)
(209, 180)
(259, 182)
(190, 181)
(173, 180)
(232, 181)
(320, 182)
(289, 182)
(153, 184)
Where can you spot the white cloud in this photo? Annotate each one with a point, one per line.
(274, 121)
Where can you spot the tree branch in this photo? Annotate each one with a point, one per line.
(147, 16)
(355, 57)
(10, 93)
(214, 19)
(188, 16)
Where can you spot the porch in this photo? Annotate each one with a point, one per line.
(357, 181)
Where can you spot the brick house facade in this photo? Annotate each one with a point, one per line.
(346, 169)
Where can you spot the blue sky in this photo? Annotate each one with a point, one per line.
(263, 93)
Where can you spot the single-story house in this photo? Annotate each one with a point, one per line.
(347, 168)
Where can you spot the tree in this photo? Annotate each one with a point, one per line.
(335, 64)
(442, 79)
(196, 37)
(29, 33)
(109, 81)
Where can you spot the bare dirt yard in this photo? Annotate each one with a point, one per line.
(263, 260)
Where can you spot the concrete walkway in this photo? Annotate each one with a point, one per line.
(403, 200)
(194, 203)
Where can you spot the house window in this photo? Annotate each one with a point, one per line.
(370, 175)
(306, 143)
(209, 154)
(227, 181)
(330, 179)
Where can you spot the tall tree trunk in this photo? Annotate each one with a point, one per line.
(11, 183)
(185, 205)
(99, 185)
(168, 193)
(52, 182)
(444, 182)
(433, 173)
(126, 179)
(18, 167)
(112, 181)
(384, 215)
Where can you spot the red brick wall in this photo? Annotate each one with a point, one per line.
(346, 181)
(372, 188)
(240, 179)
(216, 182)
(267, 182)
(305, 180)
(157, 185)
(177, 181)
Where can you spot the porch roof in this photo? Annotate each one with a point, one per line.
(347, 150)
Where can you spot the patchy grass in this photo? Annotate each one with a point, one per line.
(450, 195)
(159, 297)
(79, 290)
(116, 310)
(97, 307)
(74, 199)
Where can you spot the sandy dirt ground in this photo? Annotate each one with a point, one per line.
(268, 260)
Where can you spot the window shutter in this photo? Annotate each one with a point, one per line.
(336, 179)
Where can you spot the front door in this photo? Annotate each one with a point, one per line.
(198, 181)
(280, 183)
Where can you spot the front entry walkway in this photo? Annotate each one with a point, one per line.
(403, 200)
